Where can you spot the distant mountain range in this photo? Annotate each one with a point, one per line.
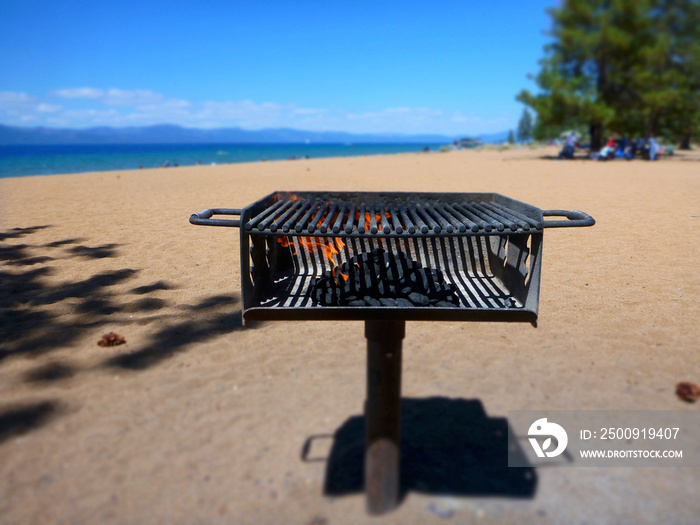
(171, 134)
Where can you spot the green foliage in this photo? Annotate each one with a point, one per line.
(525, 126)
(628, 66)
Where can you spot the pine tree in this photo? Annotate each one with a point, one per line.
(681, 118)
(525, 127)
(511, 137)
(631, 66)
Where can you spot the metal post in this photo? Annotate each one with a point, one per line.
(383, 414)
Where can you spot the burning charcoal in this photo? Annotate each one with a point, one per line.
(443, 288)
(419, 299)
(371, 301)
(416, 277)
(394, 273)
(445, 304)
(379, 271)
(405, 262)
(426, 277)
(367, 281)
(371, 256)
(382, 278)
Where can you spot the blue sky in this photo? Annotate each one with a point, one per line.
(380, 67)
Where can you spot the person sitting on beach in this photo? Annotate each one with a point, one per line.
(635, 147)
(621, 147)
(569, 147)
(608, 152)
(653, 148)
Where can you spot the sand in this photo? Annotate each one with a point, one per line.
(197, 419)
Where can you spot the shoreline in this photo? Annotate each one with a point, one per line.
(507, 151)
(153, 156)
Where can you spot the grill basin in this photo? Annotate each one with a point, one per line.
(487, 247)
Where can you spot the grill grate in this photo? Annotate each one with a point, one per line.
(319, 215)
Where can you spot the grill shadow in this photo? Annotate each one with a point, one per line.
(448, 447)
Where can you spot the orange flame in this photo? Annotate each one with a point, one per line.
(311, 244)
(286, 242)
(286, 196)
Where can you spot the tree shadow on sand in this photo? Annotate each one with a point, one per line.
(40, 314)
(201, 323)
(37, 317)
(19, 420)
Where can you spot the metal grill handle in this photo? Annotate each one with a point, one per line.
(203, 218)
(573, 218)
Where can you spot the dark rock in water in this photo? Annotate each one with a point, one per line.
(404, 303)
(387, 301)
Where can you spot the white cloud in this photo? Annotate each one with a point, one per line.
(121, 97)
(88, 93)
(87, 106)
(117, 97)
(15, 100)
(14, 96)
(48, 108)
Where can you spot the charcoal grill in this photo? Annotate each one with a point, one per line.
(386, 258)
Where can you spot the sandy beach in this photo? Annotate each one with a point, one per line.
(198, 419)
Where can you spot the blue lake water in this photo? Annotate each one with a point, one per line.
(21, 161)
